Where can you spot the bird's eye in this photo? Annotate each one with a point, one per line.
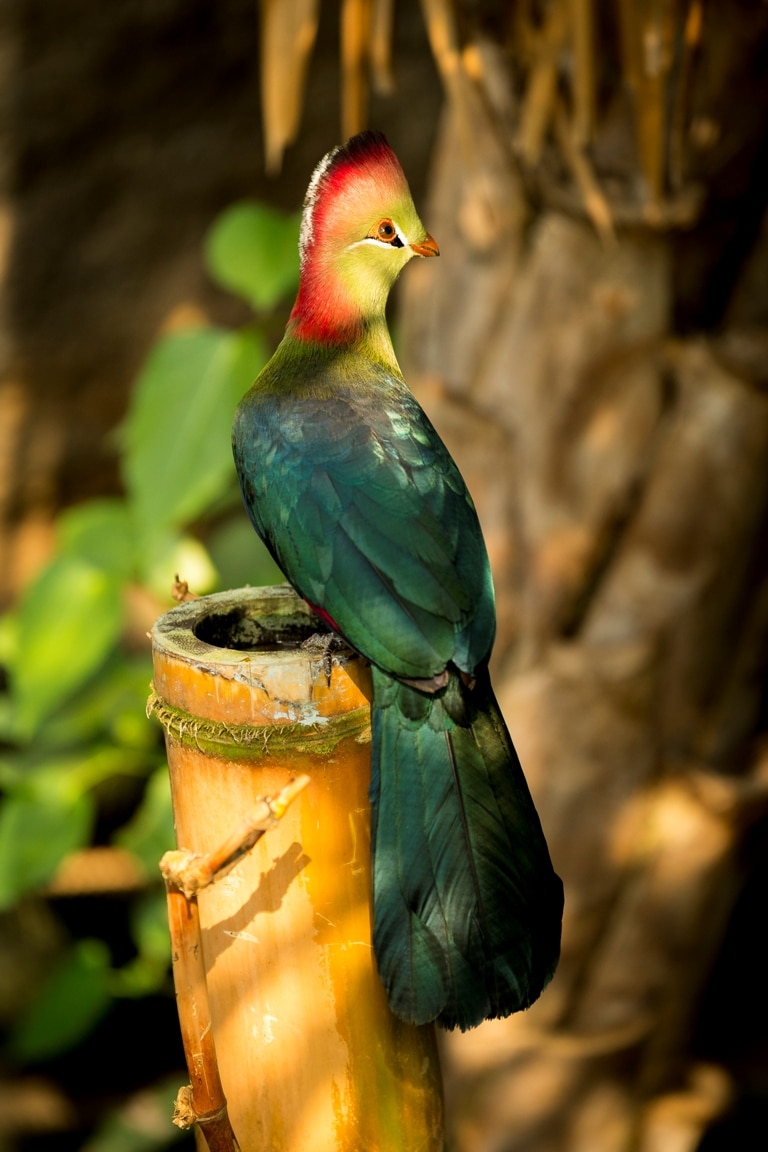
(386, 232)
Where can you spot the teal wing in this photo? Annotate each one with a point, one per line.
(367, 515)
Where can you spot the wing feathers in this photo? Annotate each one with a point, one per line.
(365, 510)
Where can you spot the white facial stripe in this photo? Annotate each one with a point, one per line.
(310, 199)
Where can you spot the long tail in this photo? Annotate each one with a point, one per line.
(467, 907)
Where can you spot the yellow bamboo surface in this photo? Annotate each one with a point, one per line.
(311, 1059)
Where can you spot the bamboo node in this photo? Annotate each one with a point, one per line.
(184, 1115)
(185, 871)
(217, 738)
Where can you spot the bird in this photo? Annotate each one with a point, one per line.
(364, 510)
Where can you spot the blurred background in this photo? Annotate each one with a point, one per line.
(592, 347)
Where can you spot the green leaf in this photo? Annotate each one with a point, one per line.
(67, 623)
(239, 555)
(72, 1001)
(252, 250)
(149, 924)
(7, 719)
(36, 833)
(111, 706)
(48, 811)
(150, 833)
(100, 531)
(98, 764)
(177, 436)
(149, 971)
(8, 637)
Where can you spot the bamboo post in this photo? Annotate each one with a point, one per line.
(309, 1056)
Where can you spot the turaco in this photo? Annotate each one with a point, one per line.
(364, 510)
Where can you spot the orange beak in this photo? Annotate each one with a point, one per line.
(426, 248)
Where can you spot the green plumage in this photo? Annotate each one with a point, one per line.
(467, 907)
(363, 508)
(365, 511)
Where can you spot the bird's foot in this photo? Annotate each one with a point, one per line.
(323, 645)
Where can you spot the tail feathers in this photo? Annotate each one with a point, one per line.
(467, 907)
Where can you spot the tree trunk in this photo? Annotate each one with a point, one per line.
(619, 467)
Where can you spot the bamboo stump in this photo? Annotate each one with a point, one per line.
(309, 1055)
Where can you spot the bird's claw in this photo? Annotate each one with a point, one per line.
(323, 645)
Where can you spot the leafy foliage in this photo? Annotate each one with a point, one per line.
(73, 728)
(73, 998)
(177, 460)
(67, 623)
(253, 251)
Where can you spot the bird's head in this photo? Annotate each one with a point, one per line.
(359, 229)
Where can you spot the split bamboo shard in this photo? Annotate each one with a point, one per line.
(584, 80)
(310, 1057)
(356, 29)
(203, 1102)
(288, 32)
(648, 34)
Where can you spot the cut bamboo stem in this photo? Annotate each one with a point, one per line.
(306, 1049)
(584, 79)
(185, 874)
(356, 18)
